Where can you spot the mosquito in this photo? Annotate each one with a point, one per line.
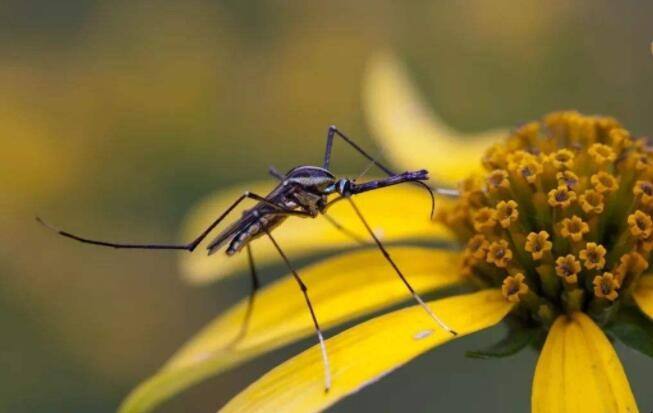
(304, 192)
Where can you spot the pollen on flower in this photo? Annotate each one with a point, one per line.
(498, 179)
(477, 246)
(640, 225)
(507, 213)
(643, 191)
(567, 268)
(620, 138)
(593, 256)
(643, 163)
(538, 244)
(604, 183)
(591, 202)
(630, 265)
(568, 179)
(484, 219)
(514, 287)
(574, 228)
(605, 286)
(517, 157)
(561, 197)
(529, 169)
(601, 153)
(499, 253)
(562, 159)
(563, 215)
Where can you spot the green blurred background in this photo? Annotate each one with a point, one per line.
(117, 117)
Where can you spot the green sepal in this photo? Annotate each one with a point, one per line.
(634, 329)
(516, 339)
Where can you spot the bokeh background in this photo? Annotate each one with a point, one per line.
(117, 117)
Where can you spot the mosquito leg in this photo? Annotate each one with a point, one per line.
(344, 230)
(334, 131)
(252, 296)
(275, 173)
(398, 271)
(188, 247)
(302, 286)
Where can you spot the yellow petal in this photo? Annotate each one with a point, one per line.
(644, 295)
(364, 353)
(412, 136)
(395, 213)
(579, 371)
(340, 288)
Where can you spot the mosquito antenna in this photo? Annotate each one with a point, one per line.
(428, 188)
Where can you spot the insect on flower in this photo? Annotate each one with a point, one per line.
(302, 192)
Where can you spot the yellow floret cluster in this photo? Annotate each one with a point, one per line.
(561, 219)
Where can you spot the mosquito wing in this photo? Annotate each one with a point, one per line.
(232, 230)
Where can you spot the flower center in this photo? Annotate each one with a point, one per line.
(561, 221)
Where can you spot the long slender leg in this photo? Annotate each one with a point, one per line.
(188, 247)
(302, 286)
(252, 296)
(333, 131)
(398, 271)
(252, 270)
(275, 172)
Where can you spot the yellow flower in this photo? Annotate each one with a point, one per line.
(567, 268)
(497, 180)
(477, 247)
(601, 154)
(604, 183)
(605, 286)
(593, 256)
(484, 219)
(643, 190)
(514, 287)
(640, 224)
(561, 197)
(567, 178)
(499, 254)
(538, 244)
(574, 228)
(591, 202)
(510, 232)
(507, 213)
(562, 159)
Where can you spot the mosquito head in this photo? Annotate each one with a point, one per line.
(341, 186)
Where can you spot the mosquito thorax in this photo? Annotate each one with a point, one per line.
(310, 176)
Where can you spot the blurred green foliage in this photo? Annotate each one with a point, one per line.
(116, 117)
